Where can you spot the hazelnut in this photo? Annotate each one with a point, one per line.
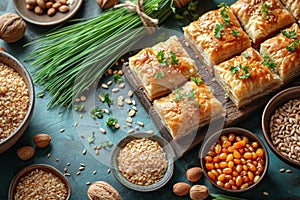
(101, 190)
(194, 174)
(51, 11)
(41, 140)
(199, 192)
(63, 9)
(12, 27)
(25, 152)
(31, 2)
(41, 4)
(56, 5)
(181, 189)
(38, 10)
(49, 4)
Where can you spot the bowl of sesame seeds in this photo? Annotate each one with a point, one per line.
(39, 181)
(143, 162)
(16, 100)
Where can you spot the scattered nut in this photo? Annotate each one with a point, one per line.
(181, 189)
(101, 190)
(199, 192)
(41, 140)
(41, 4)
(31, 2)
(12, 27)
(194, 174)
(38, 10)
(63, 8)
(56, 5)
(25, 152)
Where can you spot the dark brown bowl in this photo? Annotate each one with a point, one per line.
(206, 146)
(12, 62)
(27, 170)
(277, 101)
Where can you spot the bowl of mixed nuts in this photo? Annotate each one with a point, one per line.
(281, 125)
(16, 100)
(234, 160)
(143, 162)
(39, 181)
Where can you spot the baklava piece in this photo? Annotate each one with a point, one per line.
(188, 108)
(162, 68)
(282, 53)
(244, 78)
(262, 19)
(294, 7)
(216, 36)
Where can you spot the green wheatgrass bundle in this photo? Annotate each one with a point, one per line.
(67, 60)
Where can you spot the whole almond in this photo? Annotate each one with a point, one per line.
(63, 8)
(31, 2)
(49, 4)
(51, 11)
(56, 5)
(181, 189)
(194, 174)
(25, 152)
(38, 10)
(41, 3)
(41, 140)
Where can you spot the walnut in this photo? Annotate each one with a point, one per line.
(105, 4)
(12, 27)
(101, 190)
(181, 3)
(199, 192)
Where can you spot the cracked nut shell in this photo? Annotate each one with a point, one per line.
(199, 192)
(12, 27)
(41, 140)
(101, 190)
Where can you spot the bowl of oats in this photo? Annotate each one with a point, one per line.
(39, 181)
(16, 100)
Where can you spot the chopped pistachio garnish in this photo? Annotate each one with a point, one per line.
(197, 80)
(266, 10)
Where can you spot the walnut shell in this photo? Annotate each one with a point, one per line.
(101, 190)
(12, 27)
(199, 192)
(25, 152)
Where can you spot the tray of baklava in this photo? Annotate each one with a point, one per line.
(227, 65)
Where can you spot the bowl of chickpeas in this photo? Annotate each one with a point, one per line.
(234, 159)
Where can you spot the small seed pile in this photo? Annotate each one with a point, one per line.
(39, 184)
(14, 100)
(50, 7)
(285, 129)
(142, 161)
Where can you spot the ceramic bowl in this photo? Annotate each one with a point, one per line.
(45, 20)
(169, 155)
(27, 170)
(212, 140)
(12, 62)
(277, 101)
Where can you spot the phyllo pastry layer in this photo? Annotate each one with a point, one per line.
(294, 7)
(188, 108)
(163, 67)
(217, 36)
(282, 53)
(244, 78)
(262, 19)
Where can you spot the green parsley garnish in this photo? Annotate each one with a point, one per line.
(293, 45)
(189, 96)
(91, 138)
(106, 144)
(218, 29)
(268, 61)
(246, 55)
(224, 13)
(96, 113)
(174, 59)
(117, 78)
(161, 58)
(236, 33)
(237, 69)
(291, 34)
(78, 108)
(226, 95)
(197, 80)
(111, 122)
(266, 10)
(107, 99)
(159, 75)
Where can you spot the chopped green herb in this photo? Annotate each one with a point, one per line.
(161, 58)
(246, 55)
(106, 144)
(174, 59)
(159, 75)
(91, 138)
(293, 45)
(197, 80)
(268, 61)
(218, 29)
(224, 13)
(291, 34)
(40, 94)
(224, 197)
(154, 7)
(226, 95)
(266, 10)
(111, 122)
(117, 78)
(96, 113)
(107, 99)
(247, 73)
(236, 69)
(245, 69)
(78, 108)
(236, 33)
